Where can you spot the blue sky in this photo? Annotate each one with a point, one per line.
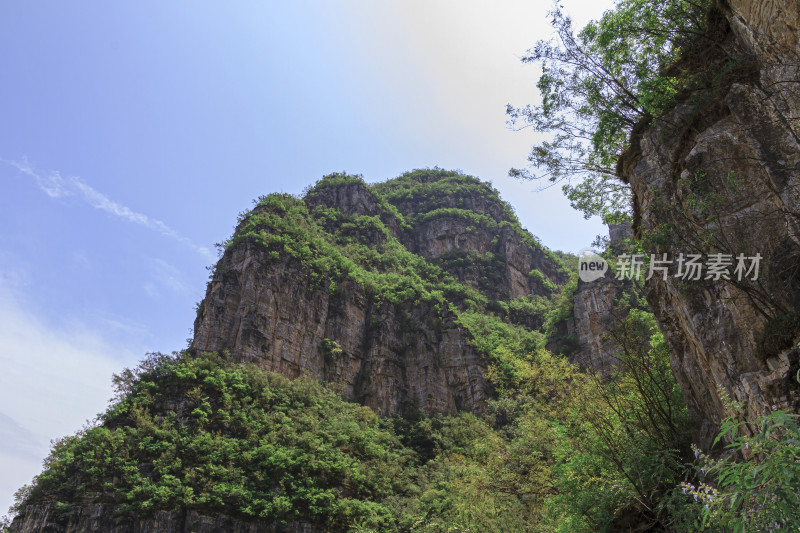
(131, 135)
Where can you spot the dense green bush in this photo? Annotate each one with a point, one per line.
(204, 433)
(557, 451)
(598, 83)
(332, 246)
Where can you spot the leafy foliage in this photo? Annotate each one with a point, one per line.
(596, 86)
(204, 433)
(563, 304)
(332, 246)
(617, 444)
(333, 180)
(422, 191)
(426, 194)
(558, 449)
(756, 487)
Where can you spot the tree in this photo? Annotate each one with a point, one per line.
(596, 86)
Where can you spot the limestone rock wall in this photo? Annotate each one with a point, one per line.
(594, 314)
(354, 199)
(266, 308)
(388, 356)
(723, 176)
(439, 236)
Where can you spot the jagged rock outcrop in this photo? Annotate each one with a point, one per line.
(348, 286)
(597, 307)
(619, 236)
(267, 307)
(719, 174)
(388, 356)
(443, 237)
(475, 236)
(594, 314)
(354, 199)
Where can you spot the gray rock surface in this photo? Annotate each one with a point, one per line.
(392, 355)
(720, 175)
(594, 314)
(388, 356)
(440, 235)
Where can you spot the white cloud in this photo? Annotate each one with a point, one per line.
(51, 381)
(165, 276)
(55, 186)
(170, 277)
(14, 271)
(151, 290)
(100, 201)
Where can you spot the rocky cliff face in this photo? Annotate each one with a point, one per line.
(384, 356)
(448, 237)
(358, 286)
(472, 234)
(597, 307)
(719, 175)
(277, 310)
(594, 314)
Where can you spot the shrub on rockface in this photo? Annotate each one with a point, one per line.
(203, 433)
(755, 486)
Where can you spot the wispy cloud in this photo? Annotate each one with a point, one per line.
(56, 186)
(52, 184)
(167, 276)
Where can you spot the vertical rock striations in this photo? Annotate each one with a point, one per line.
(329, 287)
(720, 174)
(359, 286)
(595, 312)
(597, 308)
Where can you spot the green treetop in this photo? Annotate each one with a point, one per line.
(596, 86)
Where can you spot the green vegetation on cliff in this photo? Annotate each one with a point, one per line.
(423, 191)
(333, 245)
(204, 433)
(422, 195)
(557, 449)
(200, 433)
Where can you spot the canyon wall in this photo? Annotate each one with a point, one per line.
(719, 174)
